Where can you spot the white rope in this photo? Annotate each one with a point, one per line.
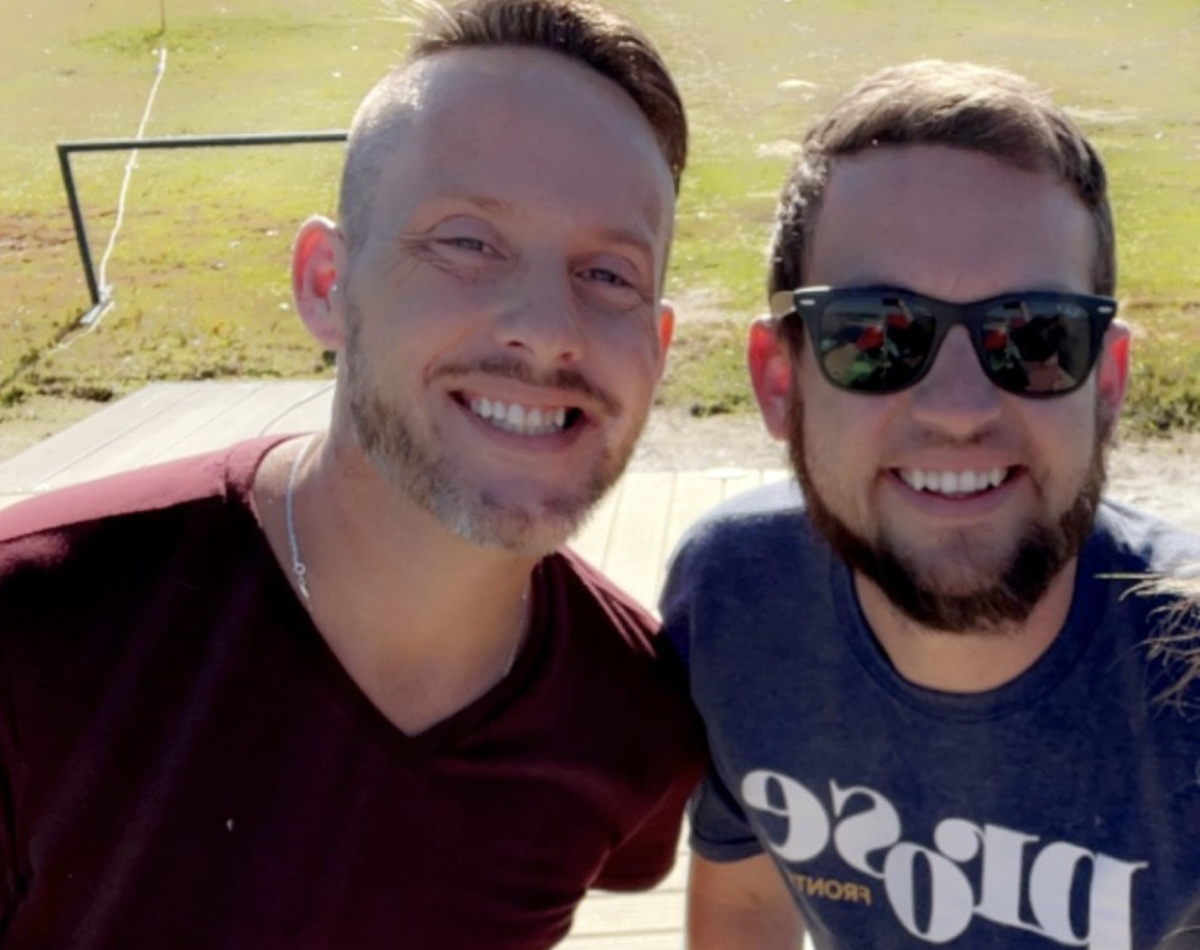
(92, 317)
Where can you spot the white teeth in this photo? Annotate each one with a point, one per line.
(513, 417)
(953, 484)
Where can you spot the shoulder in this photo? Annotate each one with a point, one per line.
(609, 652)
(1135, 541)
(754, 516)
(41, 528)
(755, 563)
(751, 535)
(766, 505)
(587, 598)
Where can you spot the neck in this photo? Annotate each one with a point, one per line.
(971, 661)
(423, 621)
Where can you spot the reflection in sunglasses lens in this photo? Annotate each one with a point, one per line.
(874, 344)
(1046, 348)
(882, 343)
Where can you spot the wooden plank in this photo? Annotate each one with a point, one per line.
(74, 446)
(595, 538)
(695, 494)
(736, 482)
(164, 421)
(652, 911)
(671, 939)
(154, 439)
(305, 408)
(635, 559)
(286, 406)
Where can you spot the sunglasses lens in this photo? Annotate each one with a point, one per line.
(1037, 347)
(879, 340)
(874, 342)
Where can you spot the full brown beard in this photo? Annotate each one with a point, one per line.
(1037, 558)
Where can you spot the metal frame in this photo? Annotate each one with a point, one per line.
(65, 149)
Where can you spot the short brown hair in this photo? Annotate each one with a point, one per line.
(961, 105)
(578, 29)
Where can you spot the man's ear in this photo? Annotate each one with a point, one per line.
(666, 332)
(771, 373)
(318, 264)
(1112, 375)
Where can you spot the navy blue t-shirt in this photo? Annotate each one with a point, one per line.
(1061, 809)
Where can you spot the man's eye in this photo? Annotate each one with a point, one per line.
(606, 277)
(465, 244)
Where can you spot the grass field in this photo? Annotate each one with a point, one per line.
(199, 271)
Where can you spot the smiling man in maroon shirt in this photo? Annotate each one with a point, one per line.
(345, 690)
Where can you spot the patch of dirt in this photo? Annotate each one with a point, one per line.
(676, 441)
(23, 232)
(39, 417)
(1159, 475)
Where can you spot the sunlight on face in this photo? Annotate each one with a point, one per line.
(505, 334)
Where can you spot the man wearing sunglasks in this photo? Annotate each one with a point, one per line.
(932, 716)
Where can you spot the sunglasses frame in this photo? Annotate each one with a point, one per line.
(809, 303)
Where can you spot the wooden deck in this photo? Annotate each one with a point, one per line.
(629, 536)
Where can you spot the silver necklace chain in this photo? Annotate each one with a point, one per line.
(299, 569)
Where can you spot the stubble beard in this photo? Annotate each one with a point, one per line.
(439, 484)
(1042, 550)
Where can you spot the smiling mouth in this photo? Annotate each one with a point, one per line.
(525, 420)
(954, 484)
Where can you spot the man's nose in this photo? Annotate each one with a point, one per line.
(540, 316)
(955, 396)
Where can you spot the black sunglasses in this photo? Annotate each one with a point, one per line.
(883, 340)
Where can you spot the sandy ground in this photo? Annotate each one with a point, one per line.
(1160, 475)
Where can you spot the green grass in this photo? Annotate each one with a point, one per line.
(201, 267)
